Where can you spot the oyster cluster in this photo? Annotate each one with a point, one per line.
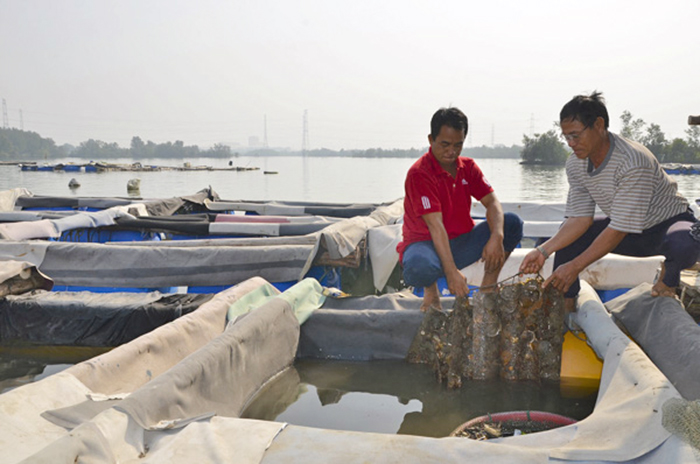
(515, 332)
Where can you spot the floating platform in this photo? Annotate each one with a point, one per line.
(684, 169)
(133, 167)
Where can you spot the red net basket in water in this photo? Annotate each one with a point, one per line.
(505, 424)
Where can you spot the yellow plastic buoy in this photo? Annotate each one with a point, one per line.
(580, 367)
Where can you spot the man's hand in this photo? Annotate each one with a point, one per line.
(493, 255)
(457, 283)
(563, 276)
(532, 263)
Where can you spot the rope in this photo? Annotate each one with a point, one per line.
(508, 279)
(575, 333)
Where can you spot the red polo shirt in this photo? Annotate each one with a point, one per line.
(431, 189)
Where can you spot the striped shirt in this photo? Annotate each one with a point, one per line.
(630, 187)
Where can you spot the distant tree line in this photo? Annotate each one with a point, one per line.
(21, 145)
(544, 148)
(678, 150)
(548, 148)
(499, 151)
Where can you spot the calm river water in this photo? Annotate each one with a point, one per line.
(334, 179)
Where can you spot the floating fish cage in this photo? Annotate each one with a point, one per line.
(173, 393)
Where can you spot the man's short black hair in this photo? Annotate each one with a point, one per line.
(451, 117)
(585, 109)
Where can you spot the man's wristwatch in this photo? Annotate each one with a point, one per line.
(541, 249)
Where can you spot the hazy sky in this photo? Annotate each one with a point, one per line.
(370, 73)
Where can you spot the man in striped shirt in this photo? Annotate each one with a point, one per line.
(645, 215)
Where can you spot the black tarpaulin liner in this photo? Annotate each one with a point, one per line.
(70, 202)
(358, 335)
(89, 319)
(201, 224)
(191, 224)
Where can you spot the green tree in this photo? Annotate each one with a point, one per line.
(25, 145)
(138, 148)
(219, 150)
(6, 147)
(680, 151)
(655, 141)
(631, 129)
(693, 133)
(544, 149)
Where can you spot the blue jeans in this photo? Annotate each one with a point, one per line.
(422, 266)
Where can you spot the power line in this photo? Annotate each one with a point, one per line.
(265, 135)
(5, 119)
(305, 134)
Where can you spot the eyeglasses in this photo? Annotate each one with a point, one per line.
(573, 137)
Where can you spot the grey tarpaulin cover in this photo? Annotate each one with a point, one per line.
(293, 208)
(93, 264)
(215, 379)
(666, 332)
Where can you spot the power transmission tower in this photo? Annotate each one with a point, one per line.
(21, 120)
(305, 134)
(532, 124)
(5, 119)
(265, 133)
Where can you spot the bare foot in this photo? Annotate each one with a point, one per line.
(660, 288)
(431, 297)
(569, 306)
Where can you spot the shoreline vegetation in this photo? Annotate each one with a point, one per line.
(539, 149)
(18, 145)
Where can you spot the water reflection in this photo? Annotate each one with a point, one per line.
(397, 397)
(544, 183)
(21, 364)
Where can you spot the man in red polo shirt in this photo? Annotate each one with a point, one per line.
(439, 235)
